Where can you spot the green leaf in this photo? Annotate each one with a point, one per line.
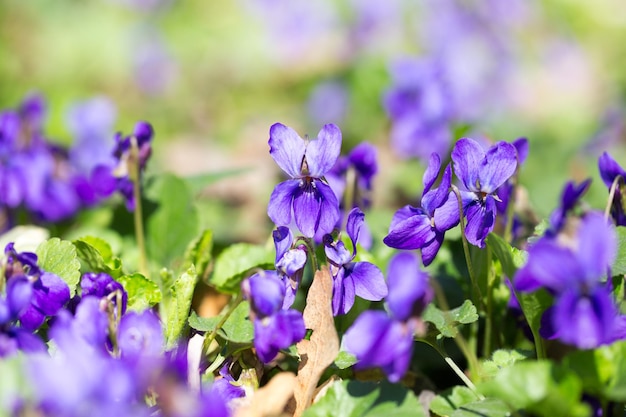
(234, 262)
(198, 252)
(59, 257)
(510, 258)
(540, 387)
(238, 328)
(445, 403)
(175, 307)
(361, 399)
(173, 224)
(489, 407)
(142, 293)
(619, 266)
(345, 360)
(199, 182)
(447, 321)
(96, 256)
(501, 358)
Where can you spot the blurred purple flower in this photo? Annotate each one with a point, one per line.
(328, 102)
(424, 227)
(610, 171)
(289, 262)
(352, 278)
(312, 201)
(482, 173)
(570, 197)
(140, 336)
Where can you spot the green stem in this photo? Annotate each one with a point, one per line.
(540, 349)
(211, 336)
(135, 176)
(487, 341)
(609, 203)
(309, 244)
(510, 210)
(460, 341)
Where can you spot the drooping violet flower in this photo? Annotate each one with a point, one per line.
(289, 263)
(274, 327)
(313, 203)
(352, 278)
(583, 313)
(385, 340)
(424, 227)
(482, 173)
(610, 170)
(102, 285)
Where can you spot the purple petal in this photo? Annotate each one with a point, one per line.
(363, 337)
(413, 233)
(282, 241)
(499, 165)
(356, 218)
(549, 265)
(279, 207)
(343, 293)
(432, 172)
(432, 248)
(287, 148)
(306, 210)
(609, 169)
(292, 262)
(329, 209)
(369, 282)
(19, 294)
(363, 156)
(466, 156)
(336, 252)
(140, 334)
(266, 292)
(28, 342)
(447, 214)
(435, 198)
(403, 214)
(408, 286)
(321, 154)
(521, 146)
(480, 221)
(597, 247)
(51, 293)
(584, 321)
(277, 332)
(31, 318)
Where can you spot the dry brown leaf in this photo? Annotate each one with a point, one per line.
(321, 350)
(271, 399)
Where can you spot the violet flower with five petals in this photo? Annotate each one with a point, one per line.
(482, 173)
(311, 200)
(352, 278)
(424, 227)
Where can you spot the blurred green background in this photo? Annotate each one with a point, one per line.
(213, 76)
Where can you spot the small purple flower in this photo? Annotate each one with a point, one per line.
(409, 288)
(610, 170)
(424, 227)
(313, 203)
(352, 278)
(583, 314)
(570, 197)
(275, 328)
(102, 285)
(289, 262)
(482, 173)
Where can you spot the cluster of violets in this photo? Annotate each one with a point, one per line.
(99, 359)
(51, 183)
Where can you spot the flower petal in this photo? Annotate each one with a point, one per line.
(480, 221)
(499, 165)
(369, 282)
(322, 153)
(597, 247)
(356, 218)
(412, 233)
(466, 156)
(329, 208)
(432, 248)
(609, 169)
(447, 214)
(279, 207)
(432, 172)
(343, 293)
(435, 198)
(408, 285)
(282, 241)
(287, 148)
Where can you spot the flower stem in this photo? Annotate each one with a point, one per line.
(309, 244)
(226, 314)
(609, 203)
(135, 176)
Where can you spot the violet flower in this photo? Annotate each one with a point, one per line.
(102, 285)
(482, 173)
(313, 203)
(610, 170)
(570, 198)
(289, 263)
(352, 278)
(275, 328)
(583, 314)
(424, 227)
(385, 340)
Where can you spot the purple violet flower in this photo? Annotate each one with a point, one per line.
(313, 203)
(385, 340)
(289, 263)
(583, 314)
(570, 197)
(103, 285)
(610, 170)
(352, 278)
(275, 328)
(482, 173)
(424, 227)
